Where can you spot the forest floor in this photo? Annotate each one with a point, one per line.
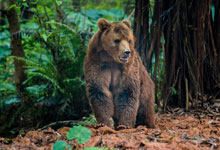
(176, 129)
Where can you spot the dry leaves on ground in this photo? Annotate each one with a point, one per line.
(179, 131)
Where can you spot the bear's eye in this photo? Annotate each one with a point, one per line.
(129, 41)
(117, 41)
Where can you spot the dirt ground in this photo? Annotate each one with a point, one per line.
(175, 130)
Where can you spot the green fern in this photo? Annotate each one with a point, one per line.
(54, 82)
(47, 72)
(64, 26)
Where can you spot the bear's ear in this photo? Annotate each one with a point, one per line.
(127, 23)
(103, 24)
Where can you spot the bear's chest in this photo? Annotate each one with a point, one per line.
(116, 78)
(115, 73)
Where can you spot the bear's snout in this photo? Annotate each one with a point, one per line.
(127, 53)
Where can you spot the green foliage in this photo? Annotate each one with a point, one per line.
(4, 44)
(6, 67)
(7, 87)
(174, 91)
(36, 90)
(13, 100)
(86, 19)
(91, 120)
(80, 133)
(61, 145)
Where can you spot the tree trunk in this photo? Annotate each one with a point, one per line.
(16, 47)
(155, 46)
(216, 31)
(171, 35)
(2, 13)
(141, 26)
(76, 5)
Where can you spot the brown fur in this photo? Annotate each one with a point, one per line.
(119, 89)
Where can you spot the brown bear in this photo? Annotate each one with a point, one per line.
(117, 84)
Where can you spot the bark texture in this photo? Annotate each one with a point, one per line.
(16, 47)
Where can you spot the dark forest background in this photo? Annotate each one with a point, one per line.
(43, 44)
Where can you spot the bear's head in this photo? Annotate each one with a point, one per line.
(117, 40)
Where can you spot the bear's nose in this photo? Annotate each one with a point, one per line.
(127, 53)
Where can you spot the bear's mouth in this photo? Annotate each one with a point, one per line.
(123, 59)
